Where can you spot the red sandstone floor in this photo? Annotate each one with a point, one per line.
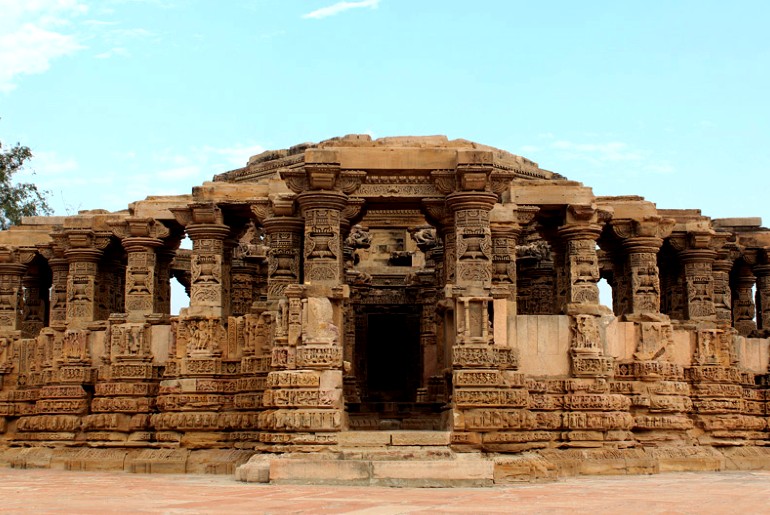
(51, 491)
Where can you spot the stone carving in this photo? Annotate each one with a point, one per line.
(130, 342)
(74, 347)
(656, 337)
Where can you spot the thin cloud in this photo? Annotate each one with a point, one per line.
(339, 7)
(31, 37)
(117, 51)
(597, 157)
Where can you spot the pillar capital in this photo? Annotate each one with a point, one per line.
(280, 205)
(655, 227)
(698, 246)
(334, 200)
(138, 227)
(464, 200)
(322, 171)
(82, 245)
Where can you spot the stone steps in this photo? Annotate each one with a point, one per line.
(457, 471)
(378, 458)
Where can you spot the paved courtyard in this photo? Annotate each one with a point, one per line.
(52, 491)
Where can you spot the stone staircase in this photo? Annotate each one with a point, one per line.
(377, 458)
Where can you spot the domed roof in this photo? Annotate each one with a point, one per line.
(410, 154)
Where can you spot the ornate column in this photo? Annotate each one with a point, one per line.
(284, 233)
(304, 392)
(322, 189)
(486, 390)
(322, 256)
(209, 266)
(744, 311)
(13, 265)
(722, 266)
(83, 250)
(57, 308)
(473, 236)
(35, 306)
(140, 238)
(581, 264)
(505, 232)
(641, 240)
(445, 231)
(697, 252)
(247, 255)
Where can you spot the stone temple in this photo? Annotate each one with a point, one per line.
(367, 311)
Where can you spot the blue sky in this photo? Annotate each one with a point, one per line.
(121, 99)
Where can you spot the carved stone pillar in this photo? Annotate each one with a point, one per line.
(209, 263)
(722, 267)
(444, 254)
(642, 239)
(57, 307)
(697, 252)
(473, 237)
(283, 259)
(744, 311)
(322, 252)
(35, 306)
(13, 265)
(141, 237)
(284, 233)
(478, 318)
(246, 256)
(111, 290)
(581, 264)
(323, 189)
(504, 239)
(83, 250)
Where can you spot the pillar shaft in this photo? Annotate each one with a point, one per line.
(644, 284)
(473, 237)
(285, 235)
(744, 311)
(210, 270)
(322, 252)
(11, 295)
(141, 280)
(581, 265)
(699, 284)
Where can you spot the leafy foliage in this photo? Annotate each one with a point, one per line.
(22, 199)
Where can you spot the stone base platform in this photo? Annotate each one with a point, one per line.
(146, 461)
(423, 459)
(393, 458)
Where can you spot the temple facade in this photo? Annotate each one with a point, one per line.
(413, 285)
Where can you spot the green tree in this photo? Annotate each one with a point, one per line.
(18, 199)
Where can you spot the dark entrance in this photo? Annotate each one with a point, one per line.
(393, 360)
(388, 366)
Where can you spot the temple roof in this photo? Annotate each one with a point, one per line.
(403, 153)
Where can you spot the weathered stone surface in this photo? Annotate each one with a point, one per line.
(388, 300)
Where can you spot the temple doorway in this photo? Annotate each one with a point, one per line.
(393, 360)
(388, 371)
